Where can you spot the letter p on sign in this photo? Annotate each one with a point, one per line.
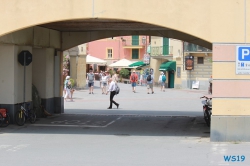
(243, 53)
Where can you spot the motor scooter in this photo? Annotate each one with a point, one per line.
(207, 109)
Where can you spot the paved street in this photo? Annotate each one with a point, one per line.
(164, 128)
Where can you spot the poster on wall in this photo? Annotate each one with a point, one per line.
(146, 58)
(195, 84)
(189, 62)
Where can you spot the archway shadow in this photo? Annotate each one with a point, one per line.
(147, 124)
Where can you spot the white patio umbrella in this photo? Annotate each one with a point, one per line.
(93, 60)
(123, 63)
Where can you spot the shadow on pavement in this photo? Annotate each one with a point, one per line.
(143, 124)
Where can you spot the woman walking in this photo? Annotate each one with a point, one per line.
(67, 87)
(104, 83)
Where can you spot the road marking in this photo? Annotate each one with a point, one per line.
(59, 124)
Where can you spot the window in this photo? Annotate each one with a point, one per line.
(135, 53)
(110, 53)
(165, 46)
(200, 60)
(135, 40)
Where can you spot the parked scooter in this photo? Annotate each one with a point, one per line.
(207, 109)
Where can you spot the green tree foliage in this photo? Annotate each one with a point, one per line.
(72, 82)
(124, 73)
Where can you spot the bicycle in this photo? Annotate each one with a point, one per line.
(4, 117)
(24, 114)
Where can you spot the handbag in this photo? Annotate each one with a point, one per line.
(117, 89)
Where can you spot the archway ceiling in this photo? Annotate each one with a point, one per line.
(128, 27)
(100, 25)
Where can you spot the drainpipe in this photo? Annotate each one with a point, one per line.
(245, 37)
(119, 50)
(183, 65)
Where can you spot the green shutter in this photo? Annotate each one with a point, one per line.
(165, 50)
(135, 40)
(135, 53)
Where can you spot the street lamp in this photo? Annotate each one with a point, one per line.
(143, 40)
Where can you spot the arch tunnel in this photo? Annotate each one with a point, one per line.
(47, 34)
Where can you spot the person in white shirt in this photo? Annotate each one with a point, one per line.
(104, 83)
(162, 81)
(100, 78)
(115, 77)
(112, 90)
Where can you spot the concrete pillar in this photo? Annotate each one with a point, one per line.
(73, 67)
(231, 96)
(58, 83)
(81, 72)
(12, 78)
(44, 79)
(73, 53)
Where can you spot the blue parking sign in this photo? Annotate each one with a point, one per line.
(242, 63)
(243, 53)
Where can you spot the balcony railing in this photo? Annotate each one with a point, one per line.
(126, 42)
(189, 47)
(161, 50)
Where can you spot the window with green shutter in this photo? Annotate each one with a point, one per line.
(135, 53)
(165, 47)
(135, 40)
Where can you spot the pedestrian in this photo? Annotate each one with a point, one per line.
(67, 88)
(150, 79)
(108, 76)
(115, 77)
(104, 83)
(64, 86)
(91, 80)
(133, 80)
(112, 90)
(210, 85)
(162, 81)
(100, 78)
(141, 78)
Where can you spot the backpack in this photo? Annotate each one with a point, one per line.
(163, 78)
(117, 89)
(133, 78)
(68, 86)
(149, 78)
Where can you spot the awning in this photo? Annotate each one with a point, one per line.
(138, 64)
(93, 60)
(168, 66)
(123, 63)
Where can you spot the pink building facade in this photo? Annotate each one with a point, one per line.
(113, 49)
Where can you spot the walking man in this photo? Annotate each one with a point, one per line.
(150, 79)
(112, 90)
(100, 78)
(91, 79)
(162, 80)
(133, 80)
